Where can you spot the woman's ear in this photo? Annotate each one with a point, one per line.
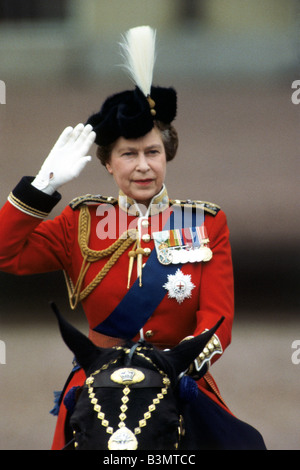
(109, 168)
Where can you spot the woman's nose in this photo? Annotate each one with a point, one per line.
(142, 162)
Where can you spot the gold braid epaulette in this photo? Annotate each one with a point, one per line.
(115, 250)
(92, 199)
(209, 207)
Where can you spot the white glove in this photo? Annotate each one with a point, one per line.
(67, 158)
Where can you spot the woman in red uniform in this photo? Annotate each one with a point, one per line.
(142, 264)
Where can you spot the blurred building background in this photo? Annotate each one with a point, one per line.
(233, 63)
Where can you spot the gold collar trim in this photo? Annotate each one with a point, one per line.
(159, 203)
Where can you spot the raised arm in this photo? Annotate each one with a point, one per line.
(28, 244)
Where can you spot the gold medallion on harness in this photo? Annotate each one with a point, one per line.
(123, 439)
(127, 376)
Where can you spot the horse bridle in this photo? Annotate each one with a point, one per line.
(127, 377)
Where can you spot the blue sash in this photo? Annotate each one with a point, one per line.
(139, 303)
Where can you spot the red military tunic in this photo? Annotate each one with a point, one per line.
(30, 245)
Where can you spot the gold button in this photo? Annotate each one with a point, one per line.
(147, 251)
(146, 237)
(145, 223)
(149, 334)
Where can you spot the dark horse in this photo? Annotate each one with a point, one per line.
(131, 398)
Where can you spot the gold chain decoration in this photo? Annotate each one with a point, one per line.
(115, 250)
(124, 438)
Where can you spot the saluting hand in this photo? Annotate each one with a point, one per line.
(67, 158)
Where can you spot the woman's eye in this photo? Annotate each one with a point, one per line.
(154, 152)
(128, 154)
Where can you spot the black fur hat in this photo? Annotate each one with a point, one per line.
(131, 114)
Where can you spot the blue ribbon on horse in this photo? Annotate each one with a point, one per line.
(139, 303)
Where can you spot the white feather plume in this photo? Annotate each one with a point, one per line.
(138, 50)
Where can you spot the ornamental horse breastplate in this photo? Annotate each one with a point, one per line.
(126, 378)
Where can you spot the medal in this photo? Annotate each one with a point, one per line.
(162, 247)
(176, 256)
(179, 286)
(199, 255)
(206, 253)
(164, 254)
(181, 246)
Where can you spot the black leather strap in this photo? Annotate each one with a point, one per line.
(152, 379)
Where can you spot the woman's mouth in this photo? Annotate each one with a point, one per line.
(143, 182)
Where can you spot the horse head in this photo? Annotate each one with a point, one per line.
(130, 396)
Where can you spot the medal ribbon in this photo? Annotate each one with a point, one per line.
(195, 237)
(202, 234)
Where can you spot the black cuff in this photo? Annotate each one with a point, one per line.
(31, 200)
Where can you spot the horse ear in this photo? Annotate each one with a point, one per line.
(84, 350)
(182, 355)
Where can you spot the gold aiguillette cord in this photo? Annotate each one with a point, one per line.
(113, 252)
(132, 255)
(137, 252)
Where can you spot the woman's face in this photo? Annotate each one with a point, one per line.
(139, 166)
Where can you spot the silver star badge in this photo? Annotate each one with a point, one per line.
(179, 286)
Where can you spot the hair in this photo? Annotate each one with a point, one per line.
(169, 137)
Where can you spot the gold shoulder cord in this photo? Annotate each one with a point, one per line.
(75, 293)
